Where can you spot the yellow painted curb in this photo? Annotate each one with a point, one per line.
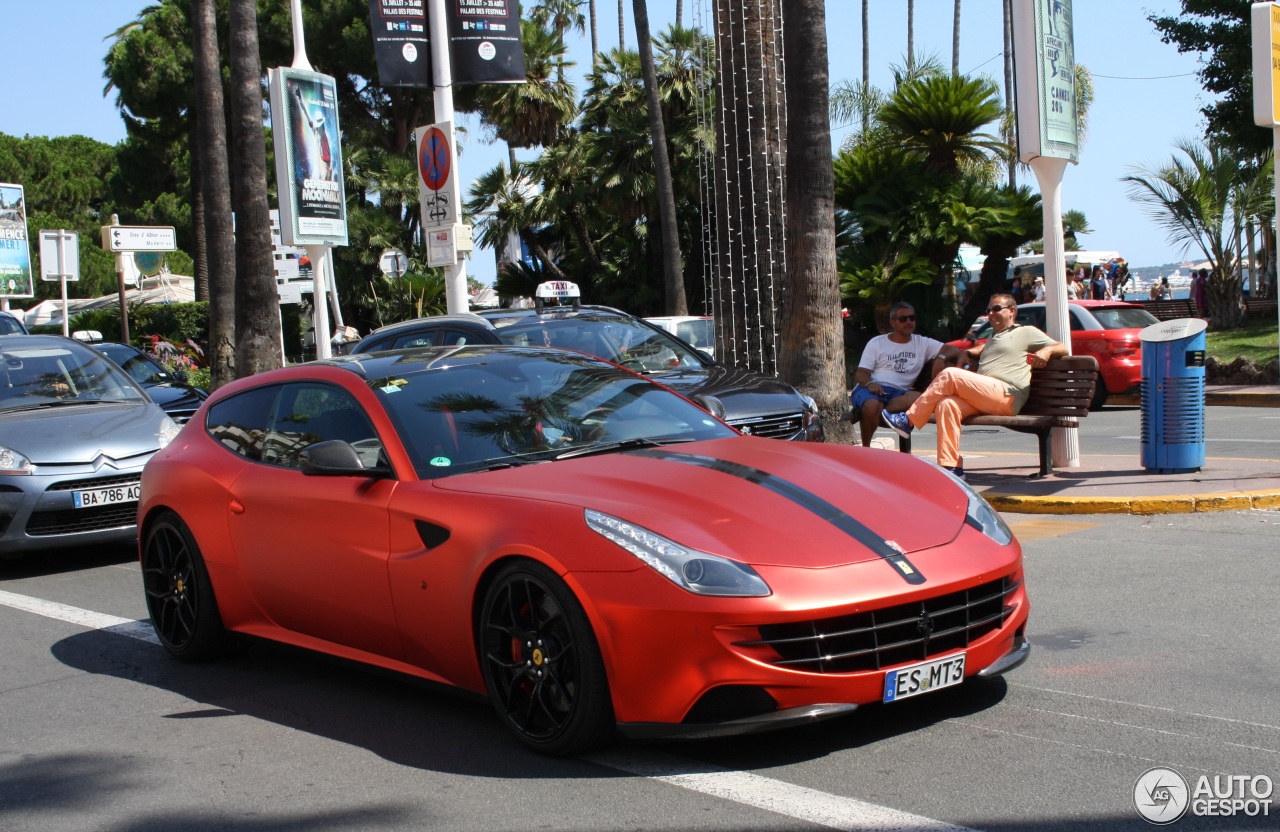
(1173, 504)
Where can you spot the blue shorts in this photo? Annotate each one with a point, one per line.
(861, 395)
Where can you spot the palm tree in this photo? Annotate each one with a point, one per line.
(1074, 224)
(622, 27)
(672, 265)
(560, 16)
(1007, 125)
(941, 116)
(911, 36)
(595, 35)
(1202, 199)
(866, 59)
(532, 114)
(811, 355)
(504, 203)
(257, 300)
(215, 189)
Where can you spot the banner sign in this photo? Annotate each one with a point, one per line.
(308, 145)
(1265, 22)
(484, 42)
(15, 257)
(1045, 59)
(400, 42)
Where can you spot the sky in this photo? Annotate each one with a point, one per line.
(1147, 98)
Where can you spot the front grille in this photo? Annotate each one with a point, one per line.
(881, 638)
(97, 482)
(72, 520)
(771, 427)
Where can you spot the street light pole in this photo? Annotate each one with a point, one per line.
(455, 276)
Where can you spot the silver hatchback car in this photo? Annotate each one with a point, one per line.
(75, 431)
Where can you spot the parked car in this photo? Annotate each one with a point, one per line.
(698, 331)
(1107, 330)
(11, 324)
(589, 549)
(169, 390)
(751, 402)
(75, 432)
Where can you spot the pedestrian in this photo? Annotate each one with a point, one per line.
(1000, 386)
(889, 367)
(1198, 293)
(1098, 284)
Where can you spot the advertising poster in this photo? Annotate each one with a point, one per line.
(484, 42)
(1056, 67)
(308, 145)
(400, 42)
(15, 257)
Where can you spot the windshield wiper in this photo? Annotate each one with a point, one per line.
(623, 445)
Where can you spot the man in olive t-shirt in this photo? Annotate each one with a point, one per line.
(1000, 386)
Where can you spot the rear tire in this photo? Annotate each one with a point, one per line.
(1099, 397)
(180, 599)
(542, 665)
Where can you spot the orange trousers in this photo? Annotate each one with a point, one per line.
(953, 395)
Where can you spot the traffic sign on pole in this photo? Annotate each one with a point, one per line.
(139, 238)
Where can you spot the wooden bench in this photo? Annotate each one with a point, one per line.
(1260, 306)
(1169, 310)
(1060, 395)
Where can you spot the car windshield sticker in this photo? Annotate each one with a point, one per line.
(804, 499)
(393, 385)
(441, 461)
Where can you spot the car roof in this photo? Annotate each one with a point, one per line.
(450, 317)
(502, 317)
(390, 363)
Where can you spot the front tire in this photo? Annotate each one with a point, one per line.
(542, 665)
(1099, 397)
(180, 596)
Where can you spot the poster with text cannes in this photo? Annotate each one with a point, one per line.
(15, 259)
(308, 144)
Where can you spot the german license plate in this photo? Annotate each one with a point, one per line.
(107, 496)
(924, 677)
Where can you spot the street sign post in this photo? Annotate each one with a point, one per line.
(139, 238)
(60, 261)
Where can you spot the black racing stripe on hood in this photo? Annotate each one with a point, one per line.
(805, 499)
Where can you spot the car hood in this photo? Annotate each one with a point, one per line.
(742, 392)
(173, 395)
(71, 434)
(772, 503)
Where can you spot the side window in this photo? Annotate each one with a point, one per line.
(1032, 317)
(240, 422)
(457, 338)
(1076, 323)
(415, 339)
(307, 413)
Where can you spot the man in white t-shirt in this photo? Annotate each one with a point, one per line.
(889, 367)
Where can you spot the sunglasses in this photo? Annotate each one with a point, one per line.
(994, 309)
(905, 318)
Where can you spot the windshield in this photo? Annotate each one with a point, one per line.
(52, 373)
(479, 411)
(9, 326)
(699, 333)
(623, 341)
(139, 367)
(1124, 317)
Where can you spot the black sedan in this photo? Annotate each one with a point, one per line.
(179, 399)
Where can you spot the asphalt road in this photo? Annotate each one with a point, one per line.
(1154, 645)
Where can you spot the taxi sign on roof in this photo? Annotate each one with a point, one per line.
(558, 289)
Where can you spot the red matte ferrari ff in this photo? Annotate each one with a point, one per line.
(597, 554)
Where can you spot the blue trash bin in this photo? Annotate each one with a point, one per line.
(1172, 431)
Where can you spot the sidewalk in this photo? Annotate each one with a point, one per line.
(1118, 484)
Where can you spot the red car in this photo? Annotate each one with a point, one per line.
(594, 552)
(1106, 329)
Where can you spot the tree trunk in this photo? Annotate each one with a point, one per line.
(955, 42)
(1010, 135)
(215, 186)
(866, 63)
(595, 37)
(911, 37)
(1226, 311)
(622, 27)
(257, 300)
(812, 350)
(672, 265)
(200, 262)
(749, 193)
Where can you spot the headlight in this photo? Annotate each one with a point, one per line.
(12, 462)
(698, 572)
(168, 430)
(982, 516)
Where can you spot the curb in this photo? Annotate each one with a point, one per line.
(1174, 504)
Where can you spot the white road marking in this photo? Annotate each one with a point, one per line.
(141, 630)
(777, 796)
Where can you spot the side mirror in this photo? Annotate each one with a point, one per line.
(180, 375)
(710, 404)
(335, 458)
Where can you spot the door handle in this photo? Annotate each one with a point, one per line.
(236, 507)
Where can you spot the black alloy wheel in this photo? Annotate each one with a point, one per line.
(541, 662)
(180, 597)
